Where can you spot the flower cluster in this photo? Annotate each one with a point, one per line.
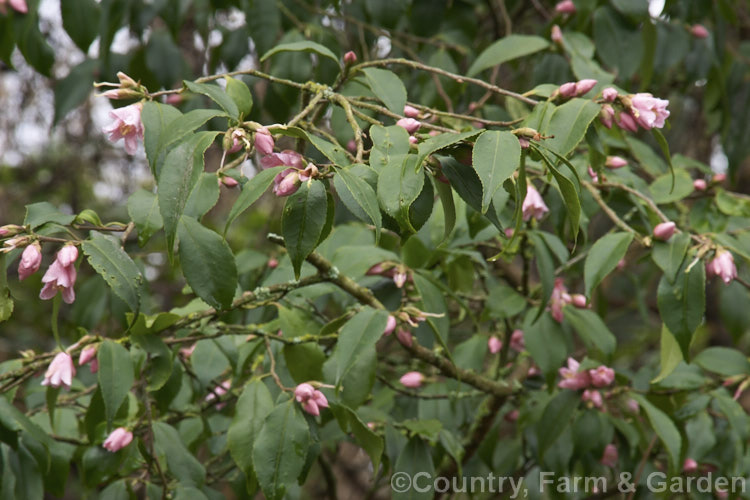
(312, 400)
(574, 378)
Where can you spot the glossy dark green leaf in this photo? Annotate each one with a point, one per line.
(556, 418)
(253, 406)
(724, 361)
(116, 376)
(116, 267)
(302, 221)
(240, 94)
(664, 428)
(143, 208)
(669, 255)
(361, 194)
(388, 87)
(495, 158)
(506, 49)
(359, 334)
(682, 304)
(399, 185)
(569, 123)
(216, 94)
(306, 46)
(603, 257)
(81, 21)
(180, 462)
(414, 459)
(74, 89)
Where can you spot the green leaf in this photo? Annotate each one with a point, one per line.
(304, 361)
(305, 46)
(203, 197)
(669, 353)
(302, 221)
(330, 150)
(280, 449)
(180, 462)
(181, 126)
(81, 22)
(671, 187)
(362, 194)
(506, 49)
(253, 406)
(603, 257)
(669, 255)
(156, 118)
(159, 368)
(116, 376)
(74, 89)
(207, 263)
(240, 94)
(38, 214)
(569, 194)
(664, 145)
(592, 330)
(179, 175)
(387, 87)
(216, 94)
(682, 304)
(387, 142)
(619, 43)
(349, 421)
(442, 141)
(546, 343)
(465, 181)
(569, 123)
(433, 301)
(445, 193)
(724, 361)
(415, 459)
(32, 43)
(545, 268)
(664, 428)
(208, 361)
(556, 418)
(251, 191)
(143, 208)
(116, 267)
(399, 185)
(495, 157)
(359, 334)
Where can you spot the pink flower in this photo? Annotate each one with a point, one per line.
(287, 158)
(219, 391)
(723, 266)
(494, 344)
(237, 141)
(594, 397)
(17, 5)
(626, 122)
(61, 275)
(350, 57)
(606, 115)
(517, 343)
(700, 185)
(572, 378)
(556, 34)
(579, 301)
(649, 111)
(602, 376)
(60, 372)
(410, 111)
(412, 380)
(399, 278)
(410, 124)
(558, 299)
(533, 204)
(404, 336)
(610, 456)
(286, 183)
(31, 259)
(264, 141)
(664, 230)
(390, 325)
(88, 355)
(615, 162)
(310, 172)
(565, 7)
(126, 125)
(118, 439)
(609, 94)
(312, 400)
(689, 465)
(699, 31)
(585, 85)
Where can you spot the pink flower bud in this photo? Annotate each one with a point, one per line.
(607, 115)
(228, 181)
(410, 111)
(633, 406)
(722, 266)
(303, 392)
(413, 140)
(17, 5)
(533, 204)
(60, 372)
(10, 230)
(494, 344)
(592, 396)
(609, 94)
(556, 34)
(565, 7)
(31, 259)
(412, 380)
(594, 176)
(664, 231)
(572, 378)
(699, 31)
(263, 141)
(568, 89)
(186, 352)
(350, 57)
(621, 264)
(584, 86)
(626, 122)
(610, 456)
(558, 299)
(376, 270)
(287, 158)
(126, 124)
(351, 146)
(390, 325)
(614, 162)
(287, 185)
(511, 416)
(578, 300)
(689, 465)
(118, 439)
(509, 232)
(410, 124)
(67, 255)
(719, 178)
(116, 94)
(87, 354)
(602, 376)
(126, 82)
(320, 399)
(517, 343)
(273, 263)
(404, 336)
(721, 494)
(700, 185)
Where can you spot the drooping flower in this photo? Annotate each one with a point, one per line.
(602, 376)
(287, 158)
(533, 204)
(649, 111)
(126, 124)
(412, 379)
(88, 355)
(31, 259)
(286, 183)
(626, 121)
(310, 172)
(572, 378)
(722, 266)
(494, 344)
(663, 231)
(61, 275)
(60, 371)
(610, 456)
(118, 439)
(263, 141)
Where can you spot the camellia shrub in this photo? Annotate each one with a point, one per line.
(411, 249)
